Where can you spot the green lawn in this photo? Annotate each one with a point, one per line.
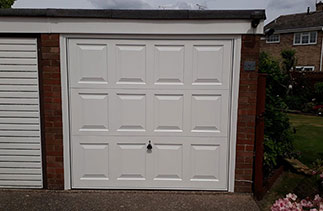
(308, 137)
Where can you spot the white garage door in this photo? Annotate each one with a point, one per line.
(172, 94)
(20, 142)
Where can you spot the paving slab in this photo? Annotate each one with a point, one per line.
(44, 200)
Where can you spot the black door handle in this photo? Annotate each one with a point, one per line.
(149, 146)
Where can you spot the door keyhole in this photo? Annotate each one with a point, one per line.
(149, 146)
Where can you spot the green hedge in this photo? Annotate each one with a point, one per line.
(278, 136)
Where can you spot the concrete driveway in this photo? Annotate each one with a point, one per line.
(123, 200)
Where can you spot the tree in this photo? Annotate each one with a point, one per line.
(6, 3)
(288, 64)
(289, 60)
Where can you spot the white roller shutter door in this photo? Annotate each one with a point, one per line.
(20, 137)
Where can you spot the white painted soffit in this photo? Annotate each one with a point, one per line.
(118, 26)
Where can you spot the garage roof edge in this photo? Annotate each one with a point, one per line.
(136, 14)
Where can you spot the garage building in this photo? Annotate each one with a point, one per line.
(128, 99)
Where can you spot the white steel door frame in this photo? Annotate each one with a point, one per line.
(233, 98)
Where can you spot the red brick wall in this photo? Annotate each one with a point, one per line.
(51, 111)
(307, 55)
(246, 115)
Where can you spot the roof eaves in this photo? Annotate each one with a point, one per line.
(135, 14)
(284, 31)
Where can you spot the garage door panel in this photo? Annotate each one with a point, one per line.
(131, 112)
(20, 184)
(18, 47)
(169, 64)
(132, 161)
(209, 163)
(201, 170)
(15, 101)
(169, 112)
(17, 94)
(25, 140)
(91, 112)
(19, 81)
(17, 120)
(20, 114)
(18, 87)
(18, 107)
(90, 160)
(19, 74)
(6, 164)
(18, 177)
(168, 164)
(88, 73)
(20, 158)
(22, 171)
(18, 61)
(212, 64)
(20, 152)
(131, 64)
(209, 113)
(20, 67)
(17, 54)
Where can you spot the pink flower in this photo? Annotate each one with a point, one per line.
(309, 204)
(290, 204)
(317, 198)
(304, 203)
(281, 203)
(291, 196)
(298, 207)
(321, 175)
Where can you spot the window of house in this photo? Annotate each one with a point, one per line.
(305, 68)
(305, 38)
(313, 36)
(274, 38)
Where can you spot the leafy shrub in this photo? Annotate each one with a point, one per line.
(308, 108)
(296, 102)
(301, 93)
(278, 138)
(272, 153)
(6, 3)
(318, 87)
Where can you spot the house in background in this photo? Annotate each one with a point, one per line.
(302, 32)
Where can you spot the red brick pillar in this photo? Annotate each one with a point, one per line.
(50, 86)
(247, 114)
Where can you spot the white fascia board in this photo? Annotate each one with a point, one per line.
(285, 31)
(122, 26)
